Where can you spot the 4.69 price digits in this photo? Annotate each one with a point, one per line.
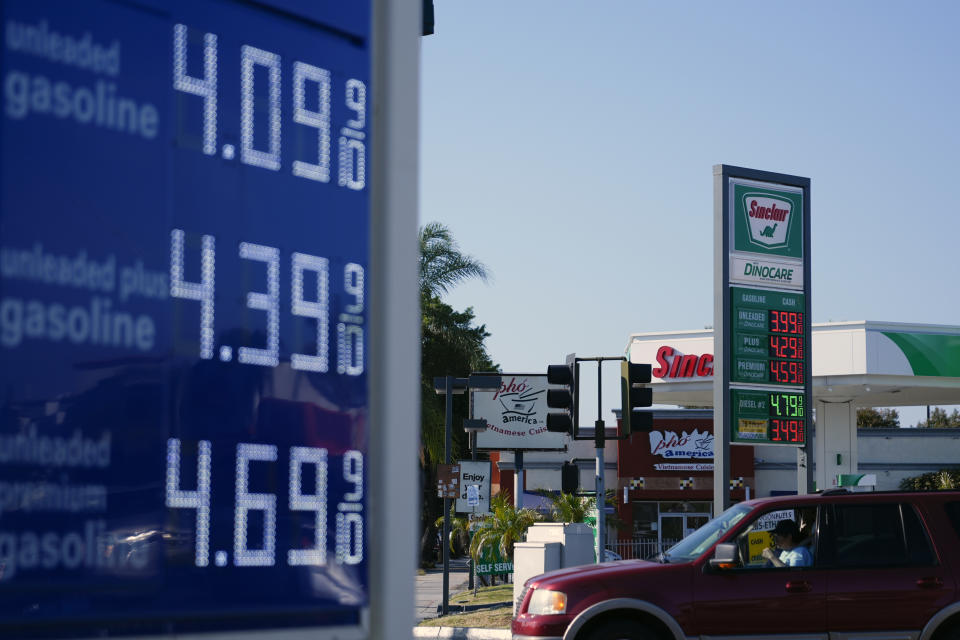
(349, 520)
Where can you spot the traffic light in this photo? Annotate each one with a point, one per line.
(633, 397)
(569, 477)
(564, 375)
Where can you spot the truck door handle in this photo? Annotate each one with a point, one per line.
(799, 586)
(930, 583)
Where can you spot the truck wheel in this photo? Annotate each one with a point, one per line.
(622, 630)
(950, 633)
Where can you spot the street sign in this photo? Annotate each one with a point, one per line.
(448, 480)
(186, 224)
(516, 415)
(474, 479)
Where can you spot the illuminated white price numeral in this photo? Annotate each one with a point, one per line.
(350, 327)
(269, 302)
(349, 545)
(205, 87)
(247, 502)
(249, 57)
(201, 291)
(309, 309)
(353, 151)
(316, 502)
(319, 119)
(178, 498)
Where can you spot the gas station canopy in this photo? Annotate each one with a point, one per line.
(871, 364)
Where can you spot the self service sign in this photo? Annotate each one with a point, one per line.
(763, 306)
(184, 249)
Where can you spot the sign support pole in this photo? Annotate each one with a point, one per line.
(394, 316)
(721, 349)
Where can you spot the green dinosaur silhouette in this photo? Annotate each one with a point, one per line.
(768, 232)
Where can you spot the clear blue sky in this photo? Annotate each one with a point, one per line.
(570, 145)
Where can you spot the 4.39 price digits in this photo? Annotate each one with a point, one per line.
(348, 544)
(350, 356)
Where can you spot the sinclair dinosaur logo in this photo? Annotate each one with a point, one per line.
(768, 219)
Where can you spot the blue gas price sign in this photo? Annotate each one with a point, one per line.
(184, 248)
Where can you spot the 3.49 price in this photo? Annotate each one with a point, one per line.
(786, 430)
(349, 519)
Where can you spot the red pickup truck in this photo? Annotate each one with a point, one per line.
(881, 566)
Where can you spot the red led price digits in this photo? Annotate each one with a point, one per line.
(786, 372)
(786, 347)
(786, 321)
(786, 430)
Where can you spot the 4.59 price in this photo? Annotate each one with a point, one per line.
(349, 518)
(786, 371)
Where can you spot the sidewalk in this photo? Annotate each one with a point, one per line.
(429, 587)
(429, 594)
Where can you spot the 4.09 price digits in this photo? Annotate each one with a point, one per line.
(351, 154)
(348, 544)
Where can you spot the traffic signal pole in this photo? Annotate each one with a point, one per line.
(600, 442)
(631, 397)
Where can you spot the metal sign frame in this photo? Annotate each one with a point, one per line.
(725, 176)
(393, 362)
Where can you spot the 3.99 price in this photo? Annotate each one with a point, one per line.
(786, 321)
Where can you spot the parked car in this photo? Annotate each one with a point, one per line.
(884, 565)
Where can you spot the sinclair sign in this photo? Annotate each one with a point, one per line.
(767, 247)
(761, 363)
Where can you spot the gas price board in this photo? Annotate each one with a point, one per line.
(766, 324)
(184, 250)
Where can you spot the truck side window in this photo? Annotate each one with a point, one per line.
(953, 512)
(919, 551)
(867, 535)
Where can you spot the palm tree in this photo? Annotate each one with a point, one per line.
(442, 264)
(505, 526)
(450, 344)
(568, 507)
(459, 531)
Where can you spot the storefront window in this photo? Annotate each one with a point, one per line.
(645, 519)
